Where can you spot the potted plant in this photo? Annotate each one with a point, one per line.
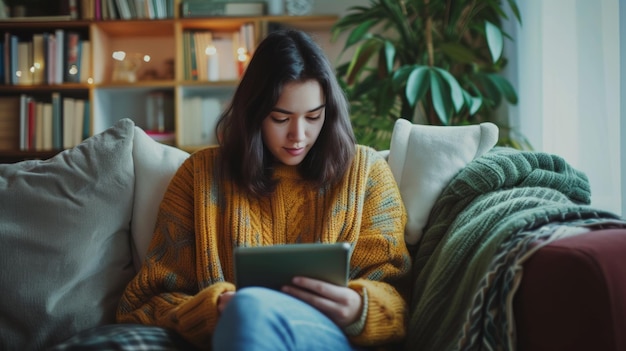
(435, 62)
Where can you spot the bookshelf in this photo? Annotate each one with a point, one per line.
(144, 90)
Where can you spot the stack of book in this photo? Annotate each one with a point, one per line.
(58, 57)
(217, 56)
(208, 8)
(34, 124)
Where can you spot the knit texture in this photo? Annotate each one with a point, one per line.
(190, 260)
(494, 197)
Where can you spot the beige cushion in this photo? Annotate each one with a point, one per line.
(155, 165)
(424, 158)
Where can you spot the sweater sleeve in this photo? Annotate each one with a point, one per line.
(166, 291)
(380, 260)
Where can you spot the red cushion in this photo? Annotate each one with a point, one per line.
(573, 294)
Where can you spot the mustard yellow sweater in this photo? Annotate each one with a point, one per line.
(190, 260)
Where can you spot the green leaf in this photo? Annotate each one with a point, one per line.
(362, 56)
(504, 86)
(400, 76)
(386, 98)
(515, 10)
(390, 54)
(458, 52)
(456, 92)
(359, 33)
(494, 40)
(474, 102)
(490, 90)
(440, 97)
(416, 84)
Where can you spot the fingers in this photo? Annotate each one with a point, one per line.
(223, 300)
(342, 305)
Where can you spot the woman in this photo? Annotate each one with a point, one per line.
(287, 170)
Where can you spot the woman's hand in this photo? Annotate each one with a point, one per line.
(223, 300)
(342, 305)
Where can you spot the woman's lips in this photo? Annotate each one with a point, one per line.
(295, 152)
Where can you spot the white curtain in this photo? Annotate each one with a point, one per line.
(565, 63)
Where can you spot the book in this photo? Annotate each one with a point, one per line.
(199, 8)
(112, 9)
(13, 65)
(39, 130)
(24, 63)
(211, 110)
(9, 122)
(2, 70)
(87, 120)
(193, 63)
(7, 58)
(84, 66)
(59, 57)
(225, 47)
(57, 121)
(39, 60)
(123, 9)
(46, 126)
(68, 122)
(79, 120)
(71, 64)
(51, 58)
(23, 122)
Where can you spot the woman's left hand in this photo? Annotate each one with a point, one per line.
(341, 304)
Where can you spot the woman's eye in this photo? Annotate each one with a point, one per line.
(312, 118)
(279, 120)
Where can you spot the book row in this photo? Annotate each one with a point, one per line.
(217, 55)
(123, 9)
(55, 57)
(32, 124)
(68, 10)
(200, 121)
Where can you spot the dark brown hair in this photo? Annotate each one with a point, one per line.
(283, 56)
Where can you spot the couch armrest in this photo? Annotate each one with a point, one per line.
(572, 294)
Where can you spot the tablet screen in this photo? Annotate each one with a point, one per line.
(274, 266)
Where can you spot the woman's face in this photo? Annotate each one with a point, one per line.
(294, 124)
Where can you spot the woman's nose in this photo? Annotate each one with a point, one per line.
(297, 130)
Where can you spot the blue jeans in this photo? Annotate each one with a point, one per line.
(264, 319)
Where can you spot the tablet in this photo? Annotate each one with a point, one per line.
(274, 266)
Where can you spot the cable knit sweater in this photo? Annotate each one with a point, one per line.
(190, 260)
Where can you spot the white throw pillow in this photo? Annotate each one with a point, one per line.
(423, 160)
(155, 165)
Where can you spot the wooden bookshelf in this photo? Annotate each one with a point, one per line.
(112, 99)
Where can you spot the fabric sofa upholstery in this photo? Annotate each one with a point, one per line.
(573, 294)
(74, 229)
(71, 228)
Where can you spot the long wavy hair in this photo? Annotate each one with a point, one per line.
(283, 56)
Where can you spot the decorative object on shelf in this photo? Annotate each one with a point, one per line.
(299, 7)
(275, 7)
(126, 66)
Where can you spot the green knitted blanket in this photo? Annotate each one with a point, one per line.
(503, 192)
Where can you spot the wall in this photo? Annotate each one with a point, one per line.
(622, 75)
(566, 67)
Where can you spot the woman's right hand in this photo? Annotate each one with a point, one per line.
(223, 299)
